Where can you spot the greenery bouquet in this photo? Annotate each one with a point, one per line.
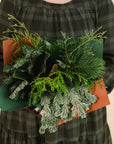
(57, 75)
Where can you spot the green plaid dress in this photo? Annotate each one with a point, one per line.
(73, 18)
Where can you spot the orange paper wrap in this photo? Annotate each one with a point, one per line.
(9, 48)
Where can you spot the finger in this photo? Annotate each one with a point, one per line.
(42, 112)
(36, 109)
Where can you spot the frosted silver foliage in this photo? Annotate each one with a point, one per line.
(15, 93)
(28, 55)
(72, 103)
(8, 80)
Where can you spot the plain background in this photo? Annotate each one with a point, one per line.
(110, 110)
(110, 114)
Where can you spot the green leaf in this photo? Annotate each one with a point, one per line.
(6, 104)
(21, 75)
(77, 85)
(7, 69)
(43, 64)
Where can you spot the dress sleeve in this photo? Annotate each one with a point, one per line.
(105, 18)
(6, 6)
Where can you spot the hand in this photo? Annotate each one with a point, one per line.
(36, 110)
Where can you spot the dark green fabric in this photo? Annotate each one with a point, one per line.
(47, 19)
(97, 48)
(7, 104)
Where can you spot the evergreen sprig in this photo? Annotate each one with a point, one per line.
(42, 85)
(73, 103)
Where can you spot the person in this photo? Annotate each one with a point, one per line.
(48, 19)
